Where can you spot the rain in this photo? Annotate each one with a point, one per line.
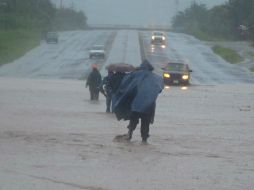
(52, 136)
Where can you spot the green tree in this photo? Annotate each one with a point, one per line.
(69, 19)
(192, 19)
(220, 21)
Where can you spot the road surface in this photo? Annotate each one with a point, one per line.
(70, 58)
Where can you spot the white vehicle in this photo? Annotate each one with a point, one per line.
(158, 38)
(97, 51)
(52, 37)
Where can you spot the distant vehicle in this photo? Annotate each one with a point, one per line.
(97, 51)
(176, 74)
(52, 37)
(158, 38)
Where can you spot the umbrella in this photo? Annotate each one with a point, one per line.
(120, 67)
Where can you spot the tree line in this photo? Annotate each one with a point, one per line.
(39, 15)
(232, 20)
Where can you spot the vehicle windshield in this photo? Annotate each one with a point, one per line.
(98, 47)
(51, 34)
(175, 67)
(158, 34)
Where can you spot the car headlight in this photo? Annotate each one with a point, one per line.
(153, 37)
(163, 38)
(185, 77)
(166, 75)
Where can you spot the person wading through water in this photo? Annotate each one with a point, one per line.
(109, 86)
(136, 97)
(93, 81)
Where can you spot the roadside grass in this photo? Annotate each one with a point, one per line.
(252, 69)
(227, 54)
(251, 54)
(204, 36)
(15, 43)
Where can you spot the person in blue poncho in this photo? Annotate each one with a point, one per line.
(136, 97)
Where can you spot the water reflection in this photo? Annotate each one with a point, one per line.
(167, 87)
(158, 48)
(184, 88)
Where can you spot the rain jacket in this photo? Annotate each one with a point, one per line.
(138, 93)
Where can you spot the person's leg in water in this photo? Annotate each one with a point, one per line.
(96, 94)
(91, 94)
(108, 102)
(145, 122)
(132, 124)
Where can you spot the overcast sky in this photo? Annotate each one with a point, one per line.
(132, 12)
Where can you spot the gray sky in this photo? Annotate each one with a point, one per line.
(132, 12)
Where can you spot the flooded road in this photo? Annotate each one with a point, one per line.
(53, 137)
(69, 59)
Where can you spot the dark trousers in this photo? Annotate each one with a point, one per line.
(94, 94)
(145, 122)
(108, 102)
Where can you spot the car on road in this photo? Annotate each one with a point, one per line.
(176, 74)
(52, 37)
(158, 38)
(97, 51)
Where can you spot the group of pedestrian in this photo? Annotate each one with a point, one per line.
(131, 96)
